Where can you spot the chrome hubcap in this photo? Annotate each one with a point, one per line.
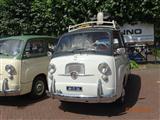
(39, 88)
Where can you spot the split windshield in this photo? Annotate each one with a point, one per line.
(10, 47)
(87, 42)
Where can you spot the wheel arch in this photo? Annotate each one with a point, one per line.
(42, 75)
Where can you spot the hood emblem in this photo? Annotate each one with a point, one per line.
(74, 75)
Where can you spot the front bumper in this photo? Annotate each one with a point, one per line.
(6, 91)
(84, 99)
(99, 98)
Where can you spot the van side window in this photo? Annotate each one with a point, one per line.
(36, 48)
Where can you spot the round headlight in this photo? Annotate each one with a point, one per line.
(52, 68)
(104, 69)
(10, 69)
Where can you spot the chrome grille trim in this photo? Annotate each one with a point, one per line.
(75, 67)
(78, 75)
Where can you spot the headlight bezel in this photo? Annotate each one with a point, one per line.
(10, 69)
(52, 68)
(104, 69)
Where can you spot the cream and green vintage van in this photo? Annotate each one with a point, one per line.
(24, 65)
(90, 64)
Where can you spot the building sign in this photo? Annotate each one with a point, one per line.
(138, 33)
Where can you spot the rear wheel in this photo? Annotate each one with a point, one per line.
(38, 87)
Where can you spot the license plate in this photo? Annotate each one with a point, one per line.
(74, 88)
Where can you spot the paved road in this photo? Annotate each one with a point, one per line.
(143, 102)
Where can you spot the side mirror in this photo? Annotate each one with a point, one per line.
(120, 51)
(52, 48)
(49, 54)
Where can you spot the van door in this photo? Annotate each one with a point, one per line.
(35, 61)
(121, 60)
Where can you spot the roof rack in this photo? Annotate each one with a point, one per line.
(105, 24)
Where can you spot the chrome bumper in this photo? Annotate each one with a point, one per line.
(6, 91)
(83, 99)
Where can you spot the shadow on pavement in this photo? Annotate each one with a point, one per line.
(112, 109)
(20, 101)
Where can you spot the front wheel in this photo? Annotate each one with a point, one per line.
(121, 101)
(38, 87)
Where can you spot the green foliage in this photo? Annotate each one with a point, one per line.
(131, 11)
(52, 17)
(15, 17)
(68, 12)
(133, 64)
(156, 52)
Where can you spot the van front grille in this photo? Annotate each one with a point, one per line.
(75, 67)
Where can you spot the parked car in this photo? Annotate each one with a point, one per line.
(24, 65)
(89, 64)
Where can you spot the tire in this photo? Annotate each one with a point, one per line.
(38, 87)
(65, 102)
(121, 101)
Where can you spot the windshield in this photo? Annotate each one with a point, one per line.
(87, 41)
(10, 47)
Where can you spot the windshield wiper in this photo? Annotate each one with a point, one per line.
(76, 50)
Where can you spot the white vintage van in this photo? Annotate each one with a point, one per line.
(24, 65)
(89, 64)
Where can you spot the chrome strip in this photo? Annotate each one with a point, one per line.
(78, 75)
(99, 89)
(5, 86)
(52, 89)
(101, 99)
(8, 92)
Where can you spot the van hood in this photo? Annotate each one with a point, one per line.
(90, 61)
(82, 70)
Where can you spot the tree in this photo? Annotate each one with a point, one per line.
(130, 11)
(15, 17)
(26, 17)
(71, 12)
(52, 17)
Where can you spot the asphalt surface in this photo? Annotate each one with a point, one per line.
(142, 103)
